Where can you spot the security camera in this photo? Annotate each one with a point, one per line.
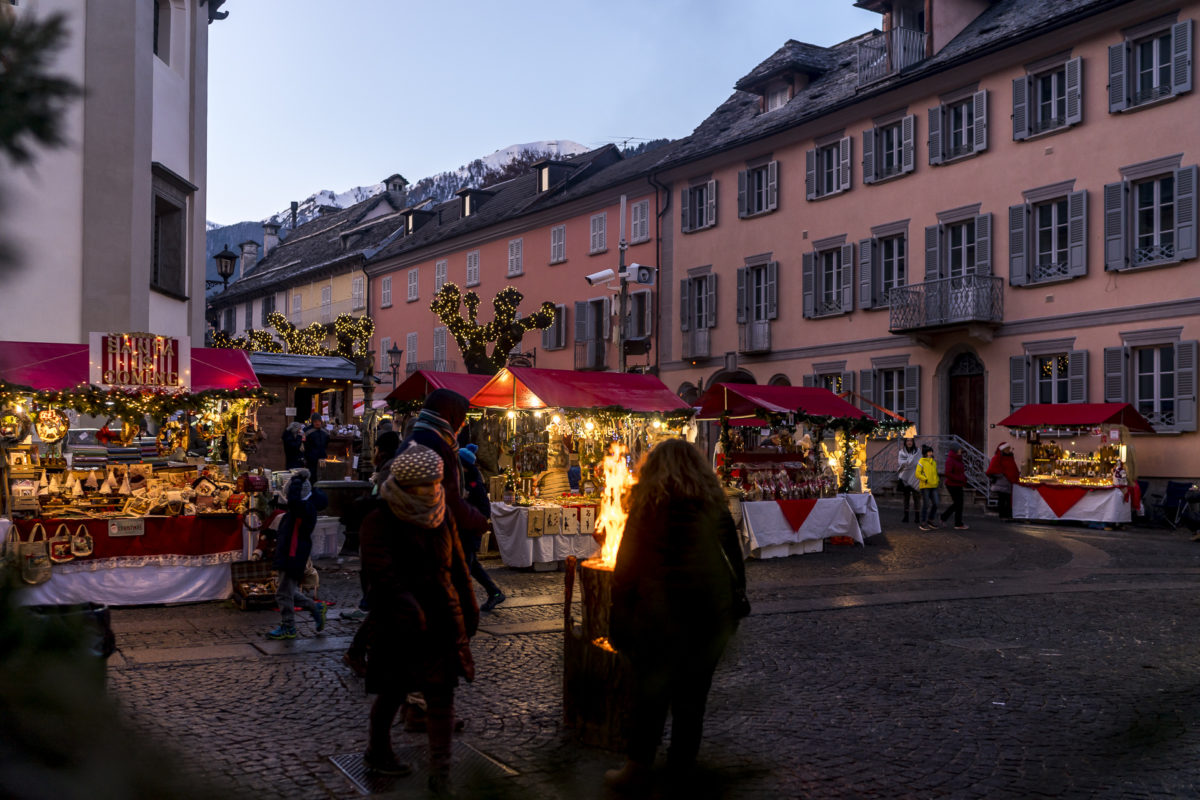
(643, 274)
(603, 276)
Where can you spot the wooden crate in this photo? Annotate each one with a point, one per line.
(248, 575)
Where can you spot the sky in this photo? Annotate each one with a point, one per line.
(306, 95)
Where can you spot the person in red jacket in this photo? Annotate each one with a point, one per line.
(955, 478)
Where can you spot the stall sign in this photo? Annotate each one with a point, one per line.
(127, 527)
(139, 361)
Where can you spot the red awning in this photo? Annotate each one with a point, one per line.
(532, 388)
(54, 366)
(419, 384)
(748, 399)
(1076, 415)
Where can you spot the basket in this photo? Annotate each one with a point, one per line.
(253, 584)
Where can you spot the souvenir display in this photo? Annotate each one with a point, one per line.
(51, 425)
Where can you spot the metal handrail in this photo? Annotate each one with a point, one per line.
(888, 53)
(881, 467)
(946, 301)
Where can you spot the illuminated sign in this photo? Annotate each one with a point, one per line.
(139, 361)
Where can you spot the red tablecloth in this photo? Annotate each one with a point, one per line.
(164, 536)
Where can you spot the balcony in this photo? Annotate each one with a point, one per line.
(962, 300)
(324, 314)
(696, 344)
(754, 337)
(888, 53)
(590, 355)
(436, 365)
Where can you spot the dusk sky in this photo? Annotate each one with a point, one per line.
(307, 95)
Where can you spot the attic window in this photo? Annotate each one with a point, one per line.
(408, 223)
(778, 96)
(543, 181)
(467, 205)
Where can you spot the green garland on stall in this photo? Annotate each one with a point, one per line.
(127, 405)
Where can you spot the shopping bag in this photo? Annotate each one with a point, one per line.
(81, 542)
(60, 545)
(33, 556)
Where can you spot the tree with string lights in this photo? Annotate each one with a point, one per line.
(505, 330)
(353, 336)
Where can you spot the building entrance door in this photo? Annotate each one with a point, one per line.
(966, 400)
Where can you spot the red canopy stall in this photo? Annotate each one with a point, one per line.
(420, 383)
(529, 388)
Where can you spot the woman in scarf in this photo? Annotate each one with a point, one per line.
(1004, 475)
(423, 611)
(907, 457)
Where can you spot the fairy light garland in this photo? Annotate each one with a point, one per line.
(353, 336)
(129, 405)
(505, 329)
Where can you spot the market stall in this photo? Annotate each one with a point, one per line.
(127, 516)
(1079, 463)
(792, 488)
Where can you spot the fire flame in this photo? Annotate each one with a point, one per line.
(611, 516)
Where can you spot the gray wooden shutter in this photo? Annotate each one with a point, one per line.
(581, 320)
(1185, 212)
(561, 341)
(1074, 70)
(1114, 374)
(1181, 57)
(772, 289)
(847, 267)
(741, 295)
(743, 200)
(1185, 385)
(1018, 382)
(866, 389)
(809, 380)
(1020, 113)
(844, 163)
(1077, 373)
(1118, 82)
(868, 148)
(1115, 221)
(983, 244)
(648, 313)
(908, 149)
(710, 212)
(1018, 245)
(866, 273)
(933, 255)
(848, 381)
(1077, 234)
(980, 127)
(685, 199)
(772, 185)
(710, 286)
(607, 311)
(807, 288)
(935, 135)
(912, 394)
(810, 174)
(547, 337)
(685, 305)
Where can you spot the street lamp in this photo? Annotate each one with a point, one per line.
(394, 362)
(226, 259)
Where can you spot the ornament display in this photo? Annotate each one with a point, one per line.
(171, 436)
(14, 426)
(51, 425)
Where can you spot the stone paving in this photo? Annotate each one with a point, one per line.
(1006, 661)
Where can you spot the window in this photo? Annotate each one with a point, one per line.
(414, 292)
(439, 273)
(893, 384)
(168, 246)
(555, 337)
(1153, 63)
(357, 295)
(326, 304)
(958, 128)
(385, 344)
(639, 228)
(1047, 236)
(598, 243)
(410, 352)
(1155, 372)
(439, 348)
(473, 268)
(639, 320)
(162, 29)
(515, 247)
(698, 206)
(297, 306)
(827, 169)
(1150, 217)
(1048, 100)
(758, 189)
(778, 96)
(268, 308)
(1154, 382)
(888, 149)
(1048, 372)
(757, 305)
(385, 291)
(835, 381)
(593, 326)
(229, 321)
(248, 316)
(558, 244)
(961, 245)
(698, 302)
(827, 278)
(882, 264)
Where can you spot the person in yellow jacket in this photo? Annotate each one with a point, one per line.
(927, 482)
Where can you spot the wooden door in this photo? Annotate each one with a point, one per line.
(966, 401)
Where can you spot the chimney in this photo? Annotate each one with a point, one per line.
(249, 256)
(395, 183)
(270, 238)
(295, 207)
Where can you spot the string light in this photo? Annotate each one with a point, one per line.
(353, 335)
(505, 330)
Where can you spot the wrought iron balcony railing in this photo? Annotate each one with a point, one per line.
(591, 355)
(888, 53)
(754, 337)
(947, 301)
(696, 344)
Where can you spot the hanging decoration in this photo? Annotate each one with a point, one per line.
(353, 335)
(505, 329)
(125, 405)
(51, 425)
(14, 424)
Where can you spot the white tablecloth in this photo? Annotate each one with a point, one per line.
(867, 511)
(510, 525)
(1098, 505)
(771, 536)
(134, 586)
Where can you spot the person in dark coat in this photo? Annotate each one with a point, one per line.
(423, 610)
(678, 575)
(293, 439)
(293, 546)
(316, 442)
(477, 496)
(955, 478)
(1003, 473)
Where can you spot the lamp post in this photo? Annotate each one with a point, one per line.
(226, 259)
(394, 354)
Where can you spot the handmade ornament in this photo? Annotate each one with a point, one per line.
(92, 483)
(14, 426)
(125, 490)
(51, 425)
(77, 489)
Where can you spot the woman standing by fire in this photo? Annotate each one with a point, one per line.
(677, 594)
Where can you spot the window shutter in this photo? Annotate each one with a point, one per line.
(1115, 256)
(810, 381)
(606, 310)
(685, 305)
(1020, 114)
(548, 335)
(810, 174)
(1114, 374)
(685, 198)
(743, 202)
(868, 147)
(866, 273)
(807, 287)
(935, 135)
(908, 150)
(1185, 212)
(710, 307)
(848, 381)
(1074, 70)
(912, 394)
(866, 389)
(1018, 382)
(983, 244)
(1077, 373)
(844, 163)
(1185, 385)
(847, 268)
(1118, 82)
(561, 324)
(1077, 233)
(710, 213)
(1018, 245)
(581, 319)
(980, 126)
(741, 295)
(772, 289)
(772, 185)
(1181, 58)
(933, 256)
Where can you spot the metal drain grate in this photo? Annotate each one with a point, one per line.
(469, 767)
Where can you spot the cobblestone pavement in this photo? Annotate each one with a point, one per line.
(1006, 661)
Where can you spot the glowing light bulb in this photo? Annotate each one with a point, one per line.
(658, 423)
(537, 414)
(556, 419)
(511, 415)
(589, 425)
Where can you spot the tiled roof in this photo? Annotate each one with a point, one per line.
(297, 366)
(793, 56)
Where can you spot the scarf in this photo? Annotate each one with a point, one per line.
(432, 421)
(427, 512)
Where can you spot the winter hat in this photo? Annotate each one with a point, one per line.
(449, 405)
(467, 453)
(299, 488)
(417, 464)
(1003, 446)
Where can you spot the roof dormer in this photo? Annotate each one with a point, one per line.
(471, 200)
(785, 74)
(414, 218)
(551, 173)
(395, 183)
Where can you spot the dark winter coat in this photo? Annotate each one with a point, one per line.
(293, 544)
(316, 442)
(423, 609)
(956, 473)
(672, 590)
(292, 457)
(467, 519)
(476, 488)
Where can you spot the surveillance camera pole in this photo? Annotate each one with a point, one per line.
(621, 245)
